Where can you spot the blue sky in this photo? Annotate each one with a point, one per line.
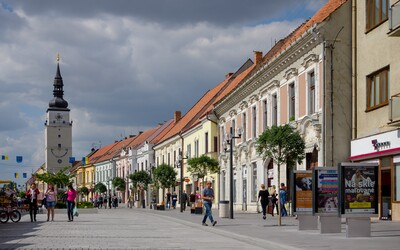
(126, 65)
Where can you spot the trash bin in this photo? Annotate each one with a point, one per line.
(223, 209)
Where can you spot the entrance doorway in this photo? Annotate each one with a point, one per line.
(386, 193)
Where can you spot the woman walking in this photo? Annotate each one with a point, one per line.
(32, 195)
(51, 201)
(71, 196)
(274, 200)
(263, 195)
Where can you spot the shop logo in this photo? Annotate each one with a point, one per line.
(380, 145)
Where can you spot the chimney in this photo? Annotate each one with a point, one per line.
(140, 132)
(228, 75)
(177, 116)
(258, 55)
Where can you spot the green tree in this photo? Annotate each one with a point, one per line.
(140, 179)
(84, 190)
(119, 184)
(202, 166)
(100, 188)
(61, 178)
(283, 145)
(164, 177)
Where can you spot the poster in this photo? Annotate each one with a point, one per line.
(360, 189)
(303, 191)
(327, 192)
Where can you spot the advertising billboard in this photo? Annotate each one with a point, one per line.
(326, 191)
(302, 191)
(359, 188)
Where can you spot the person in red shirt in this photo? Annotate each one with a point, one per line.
(32, 196)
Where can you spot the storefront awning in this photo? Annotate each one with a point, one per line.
(377, 154)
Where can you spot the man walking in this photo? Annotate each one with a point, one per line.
(208, 197)
(282, 198)
(184, 200)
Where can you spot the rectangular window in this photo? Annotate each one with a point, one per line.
(222, 136)
(397, 181)
(215, 144)
(377, 13)
(196, 148)
(274, 110)
(311, 93)
(292, 99)
(377, 89)
(206, 142)
(175, 156)
(169, 159)
(189, 151)
(254, 122)
(265, 114)
(233, 129)
(254, 182)
(244, 117)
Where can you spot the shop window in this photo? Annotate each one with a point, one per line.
(397, 181)
(254, 182)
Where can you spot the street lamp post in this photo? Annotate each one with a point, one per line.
(230, 140)
(180, 163)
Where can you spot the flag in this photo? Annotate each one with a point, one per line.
(71, 160)
(85, 160)
(4, 157)
(16, 175)
(19, 159)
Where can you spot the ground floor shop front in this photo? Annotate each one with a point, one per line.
(383, 149)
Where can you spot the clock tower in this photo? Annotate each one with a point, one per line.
(58, 134)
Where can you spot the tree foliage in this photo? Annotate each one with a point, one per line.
(84, 190)
(61, 178)
(283, 145)
(165, 176)
(140, 179)
(100, 188)
(203, 165)
(119, 183)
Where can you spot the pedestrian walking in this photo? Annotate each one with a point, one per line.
(109, 201)
(208, 197)
(263, 195)
(184, 200)
(274, 200)
(174, 199)
(168, 196)
(32, 196)
(100, 201)
(282, 199)
(51, 198)
(71, 196)
(192, 199)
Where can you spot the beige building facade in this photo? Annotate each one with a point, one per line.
(376, 96)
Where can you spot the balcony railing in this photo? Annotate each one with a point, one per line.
(394, 19)
(394, 110)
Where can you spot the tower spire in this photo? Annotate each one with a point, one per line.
(58, 101)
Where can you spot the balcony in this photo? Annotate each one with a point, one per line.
(394, 110)
(394, 19)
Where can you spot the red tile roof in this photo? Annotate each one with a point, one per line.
(194, 113)
(319, 17)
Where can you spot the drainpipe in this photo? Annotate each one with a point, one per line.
(354, 68)
(218, 175)
(323, 104)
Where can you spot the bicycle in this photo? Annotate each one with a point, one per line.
(9, 213)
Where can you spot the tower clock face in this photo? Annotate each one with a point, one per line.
(59, 153)
(59, 117)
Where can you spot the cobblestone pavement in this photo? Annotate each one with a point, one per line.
(138, 228)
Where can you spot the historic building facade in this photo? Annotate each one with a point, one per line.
(304, 81)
